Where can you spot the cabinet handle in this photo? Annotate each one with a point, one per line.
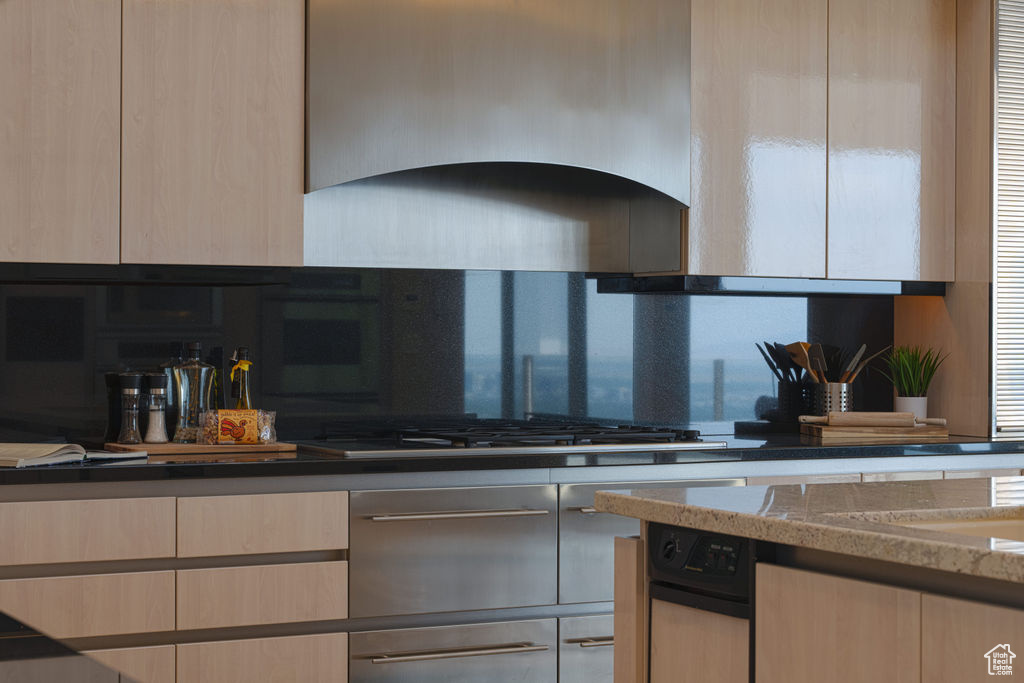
(460, 514)
(602, 641)
(588, 510)
(451, 654)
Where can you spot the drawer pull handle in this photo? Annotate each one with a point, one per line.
(458, 514)
(451, 654)
(586, 510)
(603, 641)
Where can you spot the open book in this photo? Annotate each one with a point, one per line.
(32, 454)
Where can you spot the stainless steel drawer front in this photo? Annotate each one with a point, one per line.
(503, 651)
(585, 649)
(443, 550)
(586, 538)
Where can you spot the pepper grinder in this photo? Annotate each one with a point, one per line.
(131, 388)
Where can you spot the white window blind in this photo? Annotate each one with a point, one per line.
(1008, 303)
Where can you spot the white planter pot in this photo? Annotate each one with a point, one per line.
(918, 405)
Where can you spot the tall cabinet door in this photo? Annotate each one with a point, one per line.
(212, 142)
(59, 116)
(891, 139)
(759, 103)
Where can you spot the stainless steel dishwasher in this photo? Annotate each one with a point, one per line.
(586, 541)
(417, 551)
(522, 651)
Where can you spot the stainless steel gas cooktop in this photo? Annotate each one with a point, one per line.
(472, 436)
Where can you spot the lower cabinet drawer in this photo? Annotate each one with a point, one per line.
(521, 651)
(142, 664)
(320, 658)
(262, 594)
(92, 605)
(585, 647)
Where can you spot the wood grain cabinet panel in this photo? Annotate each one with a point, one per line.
(59, 118)
(816, 628)
(212, 142)
(891, 139)
(630, 619)
(40, 532)
(957, 634)
(696, 646)
(142, 664)
(262, 594)
(92, 605)
(321, 658)
(262, 523)
(759, 114)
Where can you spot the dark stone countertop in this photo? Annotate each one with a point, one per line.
(745, 448)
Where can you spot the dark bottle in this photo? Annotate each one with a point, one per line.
(131, 396)
(193, 380)
(113, 382)
(240, 378)
(216, 359)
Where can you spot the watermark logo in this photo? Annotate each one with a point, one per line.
(1000, 660)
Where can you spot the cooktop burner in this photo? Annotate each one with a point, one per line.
(542, 435)
(404, 437)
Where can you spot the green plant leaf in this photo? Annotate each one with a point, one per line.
(911, 369)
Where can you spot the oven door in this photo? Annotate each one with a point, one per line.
(522, 651)
(445, 550)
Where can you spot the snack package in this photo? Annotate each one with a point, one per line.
(237, 427)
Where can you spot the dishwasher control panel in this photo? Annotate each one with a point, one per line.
(698, 559)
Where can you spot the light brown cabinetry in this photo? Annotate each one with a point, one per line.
(696, 646)
(957, 634)
(758, 117)
(285, 568)
(92, 605)
(262, 594)
(630, 619)
(59, 120)
(263, 523)
(321, 658)
(799, 105)
(212, 134)
(153, 664)
(816, 628)
(891, 139)
(41, 532)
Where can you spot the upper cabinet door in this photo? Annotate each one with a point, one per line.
(891, 136)
(59, 116)
(759, 113)
(212, 142)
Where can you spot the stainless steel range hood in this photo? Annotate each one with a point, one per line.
(521, 134)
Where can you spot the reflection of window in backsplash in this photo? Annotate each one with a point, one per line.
(328, 343)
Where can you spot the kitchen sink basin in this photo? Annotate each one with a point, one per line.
(1011, 528)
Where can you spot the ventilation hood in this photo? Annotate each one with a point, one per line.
(513, 134)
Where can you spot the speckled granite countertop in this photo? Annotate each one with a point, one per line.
(864, 520)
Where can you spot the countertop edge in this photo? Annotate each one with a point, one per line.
(827, 534)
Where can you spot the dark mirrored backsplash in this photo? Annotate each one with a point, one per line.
(330, 344)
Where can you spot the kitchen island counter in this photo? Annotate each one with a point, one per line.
(951, 519)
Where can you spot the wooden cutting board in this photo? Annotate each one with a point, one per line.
(201, 449)
(825, 434)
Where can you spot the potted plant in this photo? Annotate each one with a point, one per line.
(911, 369)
